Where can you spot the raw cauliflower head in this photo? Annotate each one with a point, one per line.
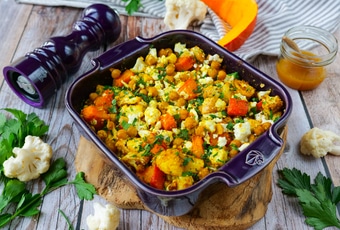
(29, 161)
(318, 143)
(104, 218)
(179, 13)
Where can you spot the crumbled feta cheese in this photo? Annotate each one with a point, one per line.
(261, 117)
(222, 141)
(242, 131)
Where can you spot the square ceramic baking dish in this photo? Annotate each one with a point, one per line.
(242, 167)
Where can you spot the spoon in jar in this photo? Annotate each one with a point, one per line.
(292, 44)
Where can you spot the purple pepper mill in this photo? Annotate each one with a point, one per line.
(40, 73)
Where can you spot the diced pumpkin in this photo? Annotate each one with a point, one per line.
(197, 146)
(184, 63)
(95, 116)
(237, 107)
(124, 77)
(188, 89)
(168, 122)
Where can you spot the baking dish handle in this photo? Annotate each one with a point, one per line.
(255, 158)
(119, 52)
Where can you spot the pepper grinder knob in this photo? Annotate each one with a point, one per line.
(40, 73)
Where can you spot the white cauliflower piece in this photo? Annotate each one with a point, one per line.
(318, 143)
(139, 65)
(30, 161)
(104, 218)
(179, 14)
(152, 114)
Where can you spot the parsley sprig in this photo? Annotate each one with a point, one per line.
(15, 197)
(318, 200)
(27, 204)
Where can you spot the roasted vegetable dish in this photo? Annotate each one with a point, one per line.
(177, 115)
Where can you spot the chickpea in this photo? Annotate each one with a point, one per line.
(150, 59)
(110, 124)
(163, 106)
(266, 125)
(93, 96)
(178, 141)
(234, 144)
(258, 130)
(203, 173)
(219, 129)
(164, 52)
(122, 134)
(102, 134)
(215, 65)
(183, 113)
(173, 96)
(143, 91)
(251, 138)
(212, 73)
(111, 144)
(152, 91)
(221, 75)
(181, 102)
(115, 73)
(132, 131)
(169, 79)
(190, 123)
(170, 69)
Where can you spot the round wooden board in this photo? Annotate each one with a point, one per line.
(219, 206)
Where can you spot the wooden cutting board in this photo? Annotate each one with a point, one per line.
(219, 206)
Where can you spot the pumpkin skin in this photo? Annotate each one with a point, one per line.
(240, 15)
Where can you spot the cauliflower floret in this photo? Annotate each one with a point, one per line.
(30, 161)
(139, 65)
(151, 115)
(104, 218)
(179, 14)
(318, 143)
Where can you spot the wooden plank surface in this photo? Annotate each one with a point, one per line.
(35, 24)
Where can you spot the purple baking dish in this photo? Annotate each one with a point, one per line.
(242, 167)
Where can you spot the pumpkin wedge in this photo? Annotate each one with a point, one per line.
(240, 15)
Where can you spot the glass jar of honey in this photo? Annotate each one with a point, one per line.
(305, 53)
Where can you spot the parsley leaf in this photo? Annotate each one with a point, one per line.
(318, 201)
(132, 6)
(84, 190)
